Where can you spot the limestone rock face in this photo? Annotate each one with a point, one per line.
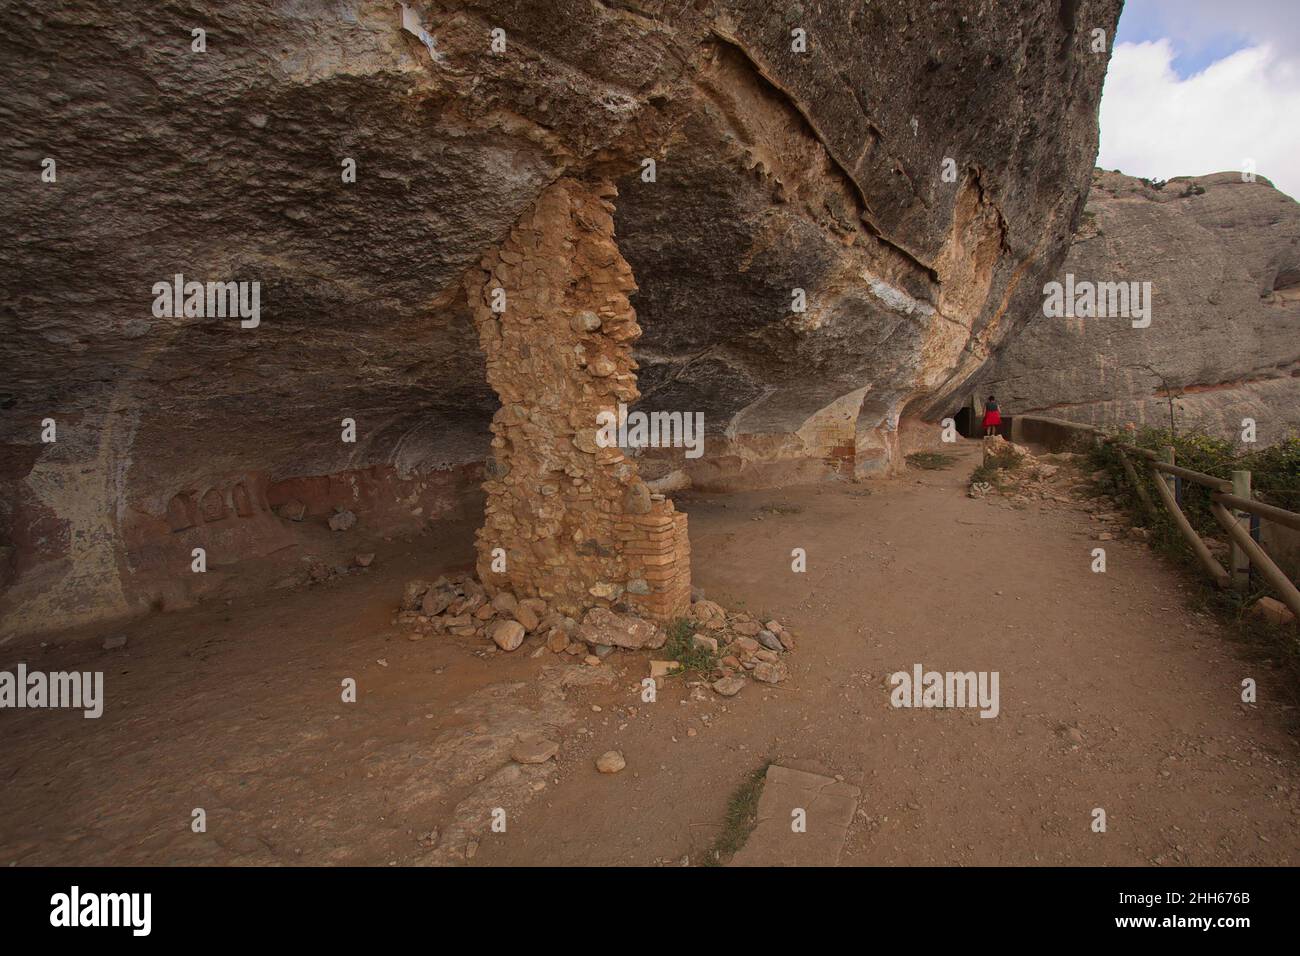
(1223, 260)
(776, 170)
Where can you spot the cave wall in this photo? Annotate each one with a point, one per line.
(775, 170)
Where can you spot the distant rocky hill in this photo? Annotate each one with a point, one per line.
(1223, 260)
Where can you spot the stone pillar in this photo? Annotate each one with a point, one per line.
(577, 526)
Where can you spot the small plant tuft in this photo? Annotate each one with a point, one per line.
(742, 817)
(681, 647)
(930, 460)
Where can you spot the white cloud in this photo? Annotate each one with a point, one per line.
(1241, 107)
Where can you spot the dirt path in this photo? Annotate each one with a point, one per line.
(1112, 694)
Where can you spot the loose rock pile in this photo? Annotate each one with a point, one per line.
(742, 645)
(1021, 477)
(1057, 477)
(461, 607)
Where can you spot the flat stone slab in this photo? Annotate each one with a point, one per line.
(828, 807)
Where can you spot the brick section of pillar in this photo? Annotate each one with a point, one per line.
(577, 526)
(657, 552)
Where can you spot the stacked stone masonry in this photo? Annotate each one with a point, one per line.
(573, 521)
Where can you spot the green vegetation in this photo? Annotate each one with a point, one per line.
(681, 648)
(1275, 479)
(1275, 471)
(930, 460)
(742, 817)
(996, 467)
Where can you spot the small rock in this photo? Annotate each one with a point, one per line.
(533, 748)
(636, 500)
(413, 592)
(747, 628)
(584, 321)
(706, 612)
(611, 761)
(769, 640)
(293, 510)
(705, 643)
(1273, 611)
(505, 602)
(364, 560)
(728, 686)
(602, 626)
(537, 606)
(506, 635)
(437, 600)
(664, 668)
(770, 673)
(557, 640)
(114, 642)
(526, 616)
(342, 520)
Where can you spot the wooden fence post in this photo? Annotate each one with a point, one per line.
(1169, 480)
(1135, 481)
(1241, 560)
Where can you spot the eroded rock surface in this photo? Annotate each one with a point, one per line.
(1224, 268)
(775, 170)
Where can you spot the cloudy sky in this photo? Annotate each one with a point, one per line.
(1201, 86)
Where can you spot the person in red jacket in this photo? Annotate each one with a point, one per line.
(992, 417)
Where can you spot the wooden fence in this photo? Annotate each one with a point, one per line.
(1225, 494)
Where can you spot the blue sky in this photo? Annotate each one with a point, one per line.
(1202, 86)
(1145, 22)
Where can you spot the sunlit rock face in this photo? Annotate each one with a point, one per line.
(1222, 334)
(801, 148)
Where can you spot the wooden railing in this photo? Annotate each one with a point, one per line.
(1224, 494)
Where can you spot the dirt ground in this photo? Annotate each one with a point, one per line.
(1113, 694)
